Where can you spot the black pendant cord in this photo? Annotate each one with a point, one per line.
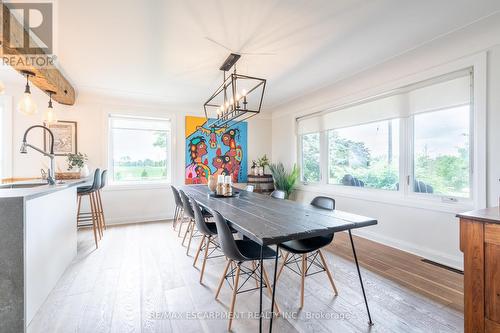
(274, 288)
(27, 89)
(360, 279)
(261, 282)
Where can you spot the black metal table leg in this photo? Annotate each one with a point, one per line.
(260, 300)
(274, 288)
(360, 279)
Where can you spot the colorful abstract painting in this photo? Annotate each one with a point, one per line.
(215, 151)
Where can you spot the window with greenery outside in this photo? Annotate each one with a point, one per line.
(311, 157)
(365, 155)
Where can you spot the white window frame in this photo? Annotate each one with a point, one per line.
(300, 162)
(406, 197)
(145, 184)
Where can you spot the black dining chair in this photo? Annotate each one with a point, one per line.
(189, 213)
(209, 243)
(239, 252)
(304, 256)
(93, 216)
(278, 194)
(178, 206)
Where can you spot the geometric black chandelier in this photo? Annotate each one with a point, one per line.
(238, 98)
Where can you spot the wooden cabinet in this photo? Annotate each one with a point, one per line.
(480, 243)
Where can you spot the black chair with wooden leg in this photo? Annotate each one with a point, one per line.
(239, 252)
(209, 243)
(100, 206)
(304, 257)
(178, 206)
(93, 216)
(189, 213)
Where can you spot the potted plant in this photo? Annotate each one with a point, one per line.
(255, 169)
(283, 180)
(78, 161)
(262, 163)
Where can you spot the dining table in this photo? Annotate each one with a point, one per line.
(271, 222)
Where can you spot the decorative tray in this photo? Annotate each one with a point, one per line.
(215, 195)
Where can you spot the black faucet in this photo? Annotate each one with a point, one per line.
(51, 177)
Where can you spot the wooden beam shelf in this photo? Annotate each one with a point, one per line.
(48, 76)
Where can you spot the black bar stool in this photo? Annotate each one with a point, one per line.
(94, 214)
(306, 258)
(178, 206)
(239, 252)
(100, 207)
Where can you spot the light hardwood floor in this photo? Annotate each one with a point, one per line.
(140, 278)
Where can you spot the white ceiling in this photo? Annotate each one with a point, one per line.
(169, 51)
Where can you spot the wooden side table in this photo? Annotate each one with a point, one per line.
(262, 184)
(480, 243)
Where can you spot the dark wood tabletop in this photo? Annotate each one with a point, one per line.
(269, 221)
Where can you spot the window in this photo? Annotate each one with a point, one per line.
(139, 149)
(415, 140)
(365, 155)
(441, 152)
(310, 157)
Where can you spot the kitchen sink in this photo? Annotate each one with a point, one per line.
(21, 185)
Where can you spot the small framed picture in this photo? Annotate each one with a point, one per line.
(65, 137)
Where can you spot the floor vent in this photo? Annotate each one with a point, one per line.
(427, 261)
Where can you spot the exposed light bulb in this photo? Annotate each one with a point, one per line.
(50, 116)
(243, 92)
(219, 111)
(2, 88)
(26, 105)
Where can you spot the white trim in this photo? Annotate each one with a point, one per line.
(141, 219)
(424, 252)
(396, 198)
(137, 186)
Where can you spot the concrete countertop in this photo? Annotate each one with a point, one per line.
(38, 191)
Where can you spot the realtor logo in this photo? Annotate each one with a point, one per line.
(27, 34)
(27, 28)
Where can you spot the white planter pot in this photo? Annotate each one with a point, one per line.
(84, 171)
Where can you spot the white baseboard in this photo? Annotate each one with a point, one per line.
(439, 257)
(139, 219)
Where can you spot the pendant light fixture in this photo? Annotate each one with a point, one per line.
(26, 105)
(238, 98)
(49, 116)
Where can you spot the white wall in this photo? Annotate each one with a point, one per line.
(430, 233)
(122, 204)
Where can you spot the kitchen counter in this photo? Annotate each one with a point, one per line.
(42, 189)
(38, 241)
